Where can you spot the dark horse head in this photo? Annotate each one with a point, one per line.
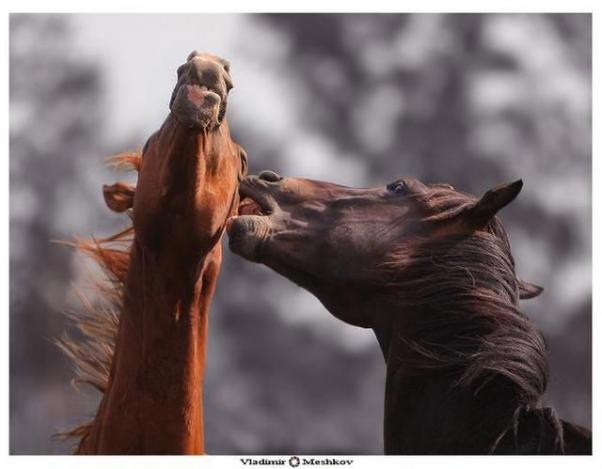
(429, 268)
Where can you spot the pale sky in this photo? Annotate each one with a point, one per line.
(140, 54)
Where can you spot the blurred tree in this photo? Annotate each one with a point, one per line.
(54, 102)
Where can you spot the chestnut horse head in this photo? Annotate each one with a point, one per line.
(190, 168)
(200, 97)
(330, 238)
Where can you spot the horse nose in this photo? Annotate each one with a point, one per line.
(269, 176)
(207, 74)
(211, 99)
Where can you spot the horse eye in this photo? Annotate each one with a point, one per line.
(398, 187)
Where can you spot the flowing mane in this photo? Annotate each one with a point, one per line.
(95, 323)
(474, 325)
(461, 296)
(145, 348)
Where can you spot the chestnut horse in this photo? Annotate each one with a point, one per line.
(147, 355)
(429, 269)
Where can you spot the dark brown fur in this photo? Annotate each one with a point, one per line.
(430, 270)
(466, 340)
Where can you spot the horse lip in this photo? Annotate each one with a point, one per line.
(266, 203)
(197, 106)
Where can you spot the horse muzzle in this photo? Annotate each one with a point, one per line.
(197, 107)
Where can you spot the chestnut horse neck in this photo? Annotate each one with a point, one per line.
(164, 280)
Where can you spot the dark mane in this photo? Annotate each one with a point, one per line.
(462, 294)
(463, 323)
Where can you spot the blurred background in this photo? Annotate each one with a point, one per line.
(471, 100)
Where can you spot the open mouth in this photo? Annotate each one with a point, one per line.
(250, 205)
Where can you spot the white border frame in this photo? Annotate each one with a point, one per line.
(230, 6)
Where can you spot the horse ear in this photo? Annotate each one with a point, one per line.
(119, 197)
(244, 162)
(528, 290)
(493, 201)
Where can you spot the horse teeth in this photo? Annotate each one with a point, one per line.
(249, 207)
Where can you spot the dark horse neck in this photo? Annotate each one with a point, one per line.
(426, 414)
(466, 369)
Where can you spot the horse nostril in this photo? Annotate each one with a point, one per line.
(270, 176)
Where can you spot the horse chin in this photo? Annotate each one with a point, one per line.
(295, 272)
(247, 235)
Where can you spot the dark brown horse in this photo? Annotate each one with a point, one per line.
(146, 353)
(429, 269)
